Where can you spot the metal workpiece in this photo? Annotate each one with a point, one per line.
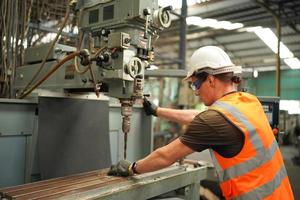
(185, 179)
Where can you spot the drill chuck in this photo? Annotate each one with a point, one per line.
(126, 125)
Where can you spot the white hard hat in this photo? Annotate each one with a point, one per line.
(212, 60)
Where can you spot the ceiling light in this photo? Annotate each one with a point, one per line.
(223, 24)
(270, 39)
(208, 23)
(292, 106)
(265, 34)
(202, 1)
(255, 73)
(212, 23)
(193, 20)
(233, 26)
(252, 29)
(293, 63)
(176, 4)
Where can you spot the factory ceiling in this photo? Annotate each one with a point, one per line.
(243, 43)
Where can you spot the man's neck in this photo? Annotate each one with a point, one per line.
(225, 91)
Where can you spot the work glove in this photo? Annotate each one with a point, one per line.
(122, 168)
(149, 107)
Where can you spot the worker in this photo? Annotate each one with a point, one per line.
(275, 131)
(234, 128)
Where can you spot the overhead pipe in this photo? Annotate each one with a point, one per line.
(277, 56)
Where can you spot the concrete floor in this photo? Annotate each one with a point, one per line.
(288, 152)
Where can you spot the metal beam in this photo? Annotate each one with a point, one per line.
(175, 73)
(278, 28)
(51, 30)
(214, 7)
(183, 30)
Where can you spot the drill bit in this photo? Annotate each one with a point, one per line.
(125, 128)
(125, 146)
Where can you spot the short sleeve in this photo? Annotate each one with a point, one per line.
(210, 129)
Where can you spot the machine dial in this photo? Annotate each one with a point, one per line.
(162, 17)
(134, 67)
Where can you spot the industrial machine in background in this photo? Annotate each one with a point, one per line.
(114, 51)
(271, 108)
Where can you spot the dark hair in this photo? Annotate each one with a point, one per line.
(228, 77)
(201, 75)
(224, 77)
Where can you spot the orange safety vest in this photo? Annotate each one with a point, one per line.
(257, 171)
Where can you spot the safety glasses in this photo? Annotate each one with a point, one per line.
(197, 84)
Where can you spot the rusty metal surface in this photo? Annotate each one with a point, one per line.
(97, 185)
(60, 186)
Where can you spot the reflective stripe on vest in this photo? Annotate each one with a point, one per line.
(244, 167)
(262, 156)
(267, 188)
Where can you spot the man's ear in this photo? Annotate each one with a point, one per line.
(211, 81)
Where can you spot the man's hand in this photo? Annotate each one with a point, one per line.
(149, 107)
(122, 168)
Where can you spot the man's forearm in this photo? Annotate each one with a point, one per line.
(155, 161)
(176, 115)
(163, 157)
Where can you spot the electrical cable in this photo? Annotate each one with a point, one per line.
(79, 47)
(97, 90)
(16, 36)
(3, 34)
(79, 71)
(49, 51)
(50, 72)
